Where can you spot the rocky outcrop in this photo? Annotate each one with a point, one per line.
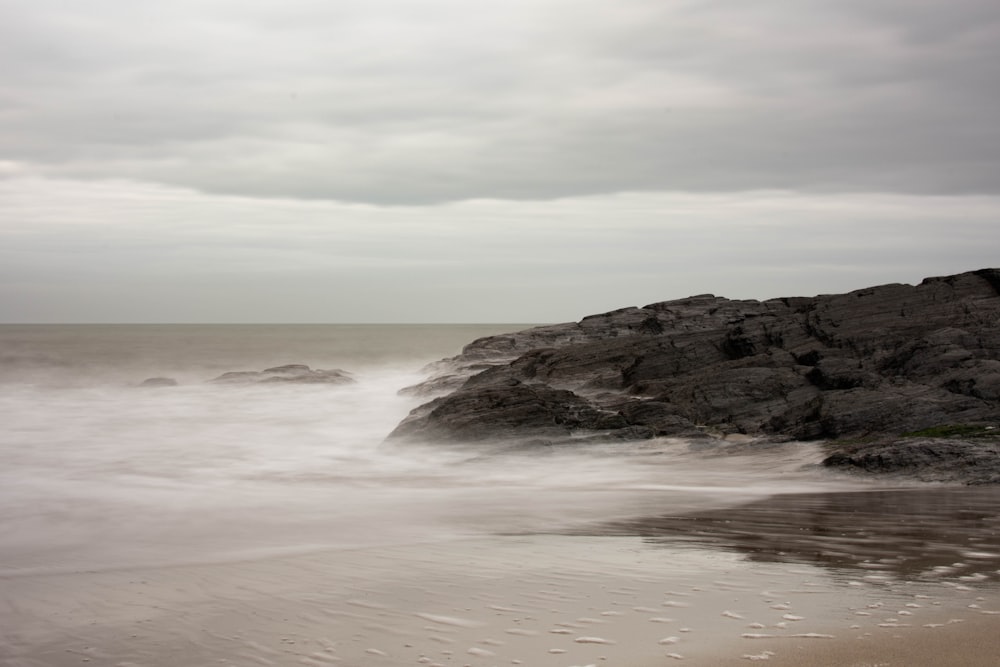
(296, 373)
(878, 361)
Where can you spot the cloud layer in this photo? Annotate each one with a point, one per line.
(401, 102)
(447, 160)
(121, 251)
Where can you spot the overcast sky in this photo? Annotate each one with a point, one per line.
(513, 161)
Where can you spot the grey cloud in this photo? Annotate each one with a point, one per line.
(401, 102)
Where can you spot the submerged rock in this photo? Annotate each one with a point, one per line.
(297, 373)
(158, 382)
(880, 361)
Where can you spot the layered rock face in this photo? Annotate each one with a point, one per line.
(881, 361)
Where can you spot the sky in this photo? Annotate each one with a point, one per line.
(513, 161)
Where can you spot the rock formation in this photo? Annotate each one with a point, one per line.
(874, 363)
(158, 382)
(297, 373)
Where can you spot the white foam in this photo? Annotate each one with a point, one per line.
(450, 620)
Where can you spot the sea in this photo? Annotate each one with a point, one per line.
(100, 472)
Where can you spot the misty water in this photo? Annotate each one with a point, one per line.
(100, 473)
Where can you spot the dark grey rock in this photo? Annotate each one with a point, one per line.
(661, 418)
(289, 370)
(926, 459)
(511, 409)
(158, 382)
(880, 361)
(294, 373)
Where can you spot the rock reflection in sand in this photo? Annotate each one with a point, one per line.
(930, 533)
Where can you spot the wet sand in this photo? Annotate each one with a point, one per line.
(902, 577)
(542, 601)
(975, 642)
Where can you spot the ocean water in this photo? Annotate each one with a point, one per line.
(100, 473)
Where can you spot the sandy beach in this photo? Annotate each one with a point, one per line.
(546, 601)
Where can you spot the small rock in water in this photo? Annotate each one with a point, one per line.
(158, 382)
(294, 373)
(288, 369)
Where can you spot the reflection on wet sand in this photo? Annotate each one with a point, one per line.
(912, 534)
